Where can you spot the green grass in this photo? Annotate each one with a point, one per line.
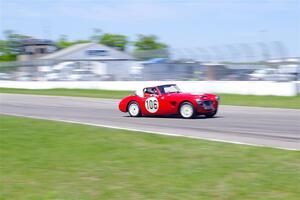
(226, 99)
(110, 94)
(261, 101)
(53, 160)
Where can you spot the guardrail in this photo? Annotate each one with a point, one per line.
(229, 87)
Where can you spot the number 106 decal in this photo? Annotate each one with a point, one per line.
(151, 104)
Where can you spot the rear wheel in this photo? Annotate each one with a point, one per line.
(134, 109)
(187, 110)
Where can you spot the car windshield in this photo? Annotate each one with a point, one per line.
(167, 89)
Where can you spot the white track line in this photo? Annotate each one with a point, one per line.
(145, 131)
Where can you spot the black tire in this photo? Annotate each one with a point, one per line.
(191, 112)
(212, 114)
(134, 112)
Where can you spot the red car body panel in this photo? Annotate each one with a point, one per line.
(169, 104)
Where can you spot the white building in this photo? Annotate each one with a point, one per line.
(92, 58)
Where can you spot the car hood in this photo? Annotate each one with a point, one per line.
(194, 96)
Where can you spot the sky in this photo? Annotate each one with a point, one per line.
(178, 23)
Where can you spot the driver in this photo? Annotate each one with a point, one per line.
(151, 91)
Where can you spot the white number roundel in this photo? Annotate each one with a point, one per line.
(151, 104)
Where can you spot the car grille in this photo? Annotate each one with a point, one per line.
(207, 103)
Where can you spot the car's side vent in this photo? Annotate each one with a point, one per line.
(173, 103)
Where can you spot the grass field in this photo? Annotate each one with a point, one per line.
(71, 92)
(261, 101)
(226, 99)
(53, 160)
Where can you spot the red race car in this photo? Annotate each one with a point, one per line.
(169, 100)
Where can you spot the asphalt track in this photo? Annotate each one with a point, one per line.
(270, 127)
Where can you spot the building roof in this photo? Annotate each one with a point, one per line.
(33, 41)
(156, 61)
(80, 52)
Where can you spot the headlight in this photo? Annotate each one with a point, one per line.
(217, 98)
(198, 101)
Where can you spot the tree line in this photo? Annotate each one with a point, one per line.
(10, 47)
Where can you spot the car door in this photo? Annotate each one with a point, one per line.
(168, 104)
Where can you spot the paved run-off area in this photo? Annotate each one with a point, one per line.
(257, 126)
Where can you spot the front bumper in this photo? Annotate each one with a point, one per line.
(207, 106)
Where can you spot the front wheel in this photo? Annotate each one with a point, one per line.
(134, 109)
(187, 110)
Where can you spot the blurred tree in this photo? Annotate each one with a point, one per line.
(114, 40)
(10, 47)
(63, 42)
(148, 42)
(4, 47)
(147, 47)
(81, 41)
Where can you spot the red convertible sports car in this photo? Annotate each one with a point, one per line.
(169, 100)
